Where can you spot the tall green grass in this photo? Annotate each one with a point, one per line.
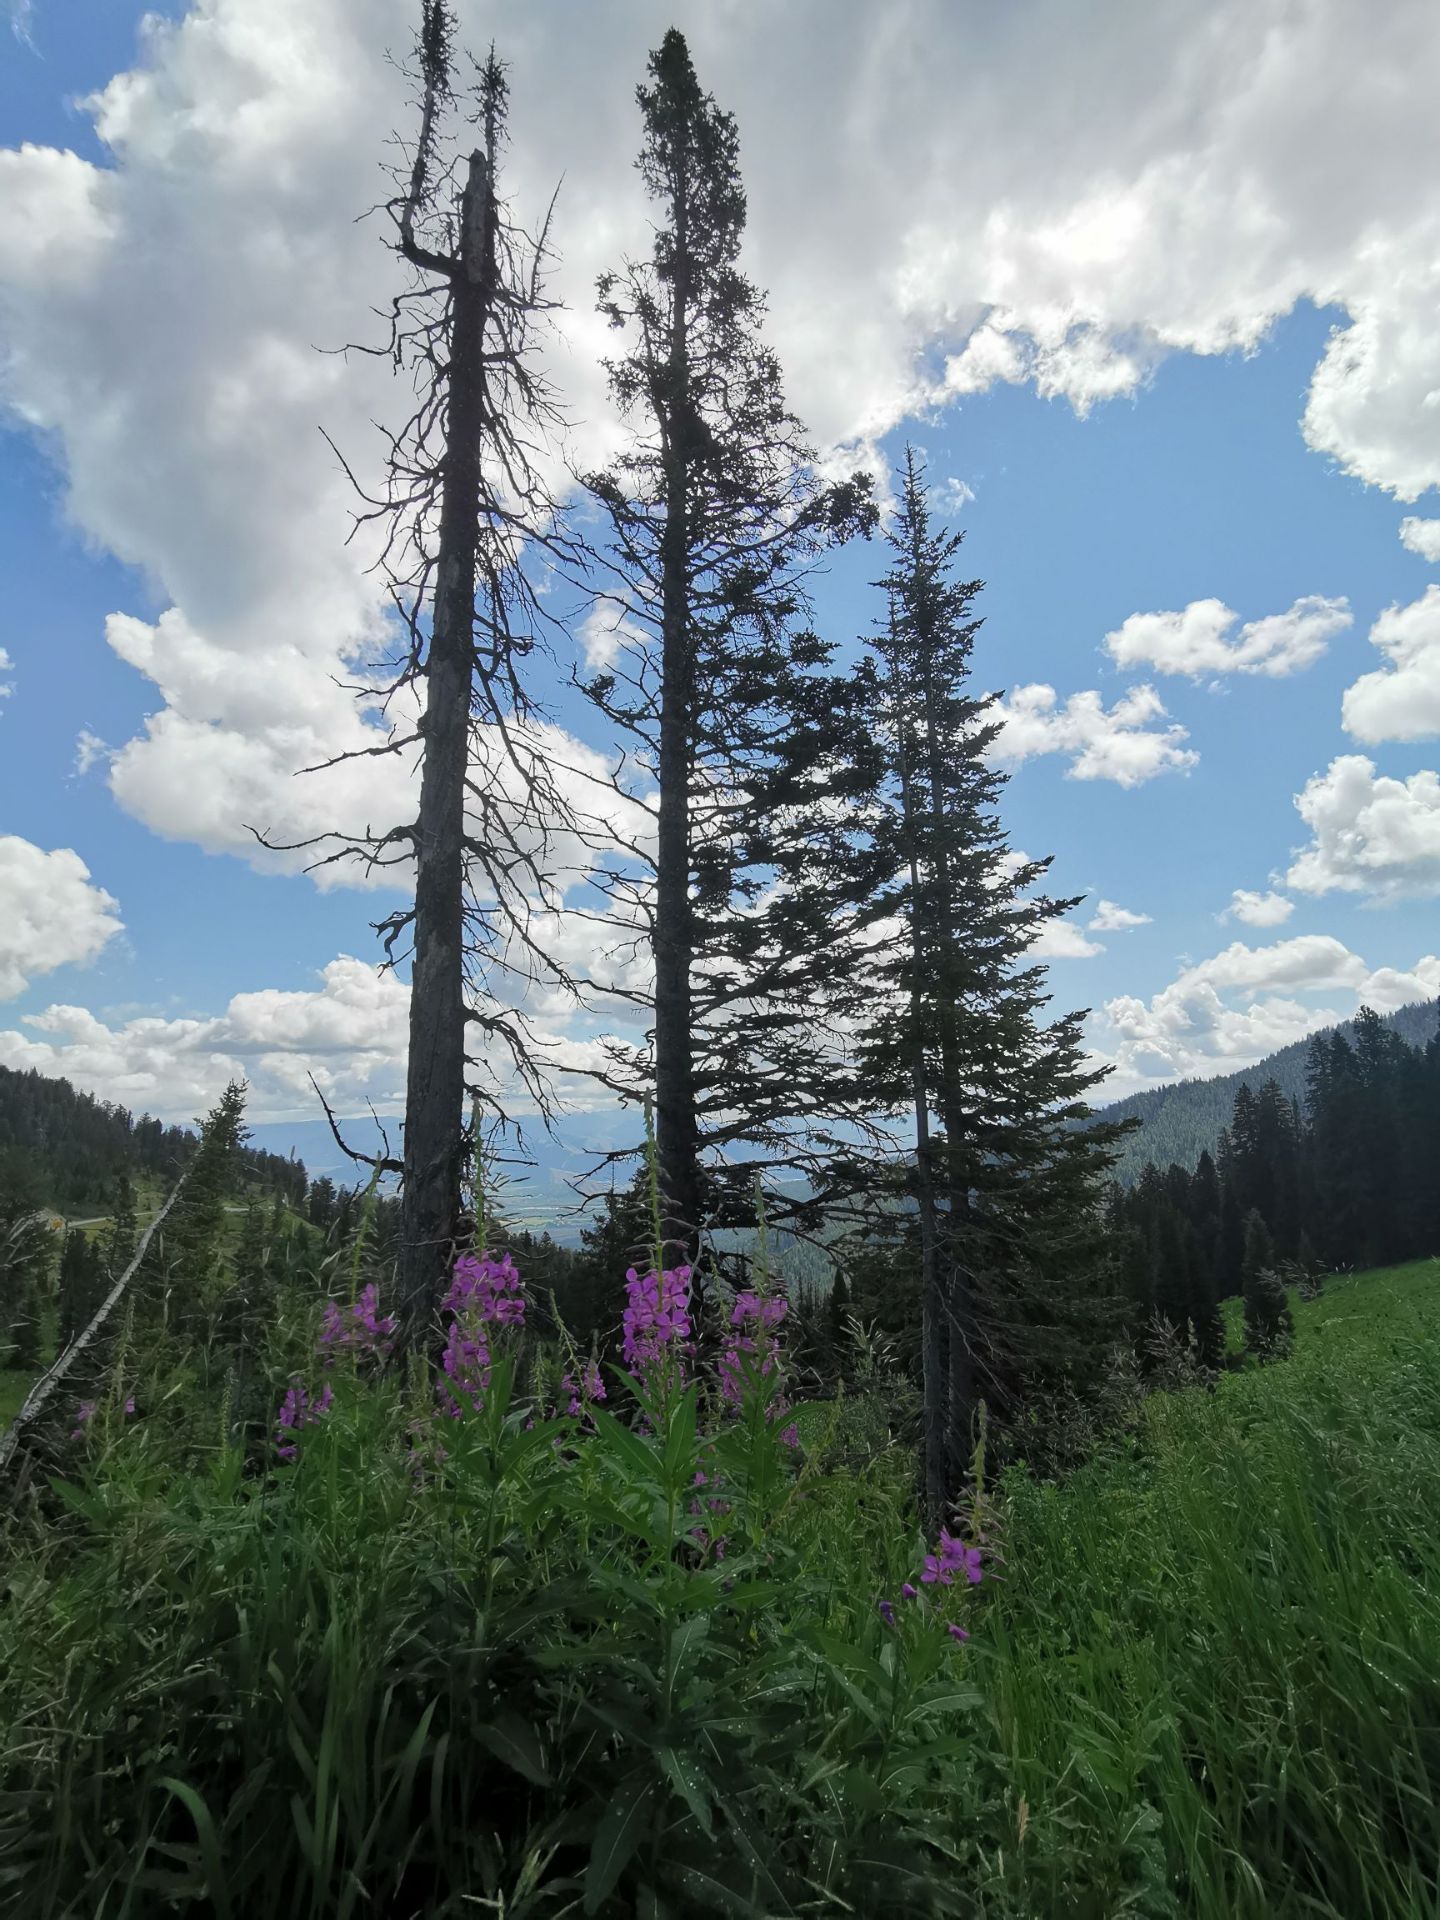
(1215, 1665)
(1206, 1680)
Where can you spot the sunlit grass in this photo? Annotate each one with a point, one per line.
(1216, 1661)
(1206, 1682)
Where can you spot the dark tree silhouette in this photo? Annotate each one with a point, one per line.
(715, 511)
(1008, 1195)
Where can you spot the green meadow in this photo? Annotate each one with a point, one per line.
(1202, 1673)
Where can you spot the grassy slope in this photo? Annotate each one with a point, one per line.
(1212, 1666)
(1216, 1661)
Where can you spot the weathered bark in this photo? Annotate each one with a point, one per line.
(435, 1076)
(958, 1281)
(934, 1384)
(676, 1129)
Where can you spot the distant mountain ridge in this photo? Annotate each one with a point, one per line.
(64, 1149)
(1182, 1120)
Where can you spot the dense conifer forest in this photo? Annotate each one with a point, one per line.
(1181, 1121)
(63, 1149)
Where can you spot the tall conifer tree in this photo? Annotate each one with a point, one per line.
(959, 1033)
(715, 512)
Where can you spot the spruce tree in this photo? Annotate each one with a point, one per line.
(320, 1204)
(1206, 1203)
(715, 511)
(1312, 1274)
(195, 1232)
(1208, 1321)
(1230, 1238)
(119, 1240)
(1380, 1059)
(1025, 1291)
(1278, 1154)
(82, 1283)
(26, 1254)
(1268, 1321)
(1337, 1174)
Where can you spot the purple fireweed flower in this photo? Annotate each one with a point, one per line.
(887, 1612)
(950, 1557)
(485, 1292)
(657, 1315)
(956, 1633)
(130, 1403)
(488, 1288)
(756, 1315)
(358, 1329)
(585, 1392)
(84, 1414)
(298, 1410)
(768, 1310)
(908, 1592)
(466, 1361)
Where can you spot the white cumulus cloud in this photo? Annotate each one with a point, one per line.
(1371, 833)
(1032, 202)
(1229, 1011)
(349, 1032)
(1421, 536)
(51, 913)
(1119, 743)
(1110, 918)
(1400, 701)
(1258, 909)
(1196, 640)
(1063, 940)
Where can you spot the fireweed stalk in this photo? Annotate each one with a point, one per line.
(484, 1293)
(952, 1558)
(358, 1333)
(753, 1357)
(656, 1325)
(298, 1410)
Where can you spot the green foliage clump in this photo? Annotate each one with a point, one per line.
(1215, 1660)
(557, 1661)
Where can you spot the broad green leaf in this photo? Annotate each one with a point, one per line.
(512, 1739)
(617, 1836)
(689, 1780)
(209, 1841)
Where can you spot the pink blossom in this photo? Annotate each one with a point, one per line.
(657, 1316)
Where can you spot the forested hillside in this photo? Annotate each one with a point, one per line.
(65, 1149)
(1180, 1122)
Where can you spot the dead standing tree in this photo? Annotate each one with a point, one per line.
(462, 514)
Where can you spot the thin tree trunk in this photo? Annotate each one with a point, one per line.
(962, 1326)
(435, 1076)
(44, 1388)
(676, 1128)
(932, 1293)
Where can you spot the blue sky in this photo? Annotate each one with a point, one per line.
(1150, 369)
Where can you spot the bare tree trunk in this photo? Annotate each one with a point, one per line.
(44, 1388)
(676, 1128)
(435, 1076)
(933, 1379)
(933, 1329)
(958, 1281)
